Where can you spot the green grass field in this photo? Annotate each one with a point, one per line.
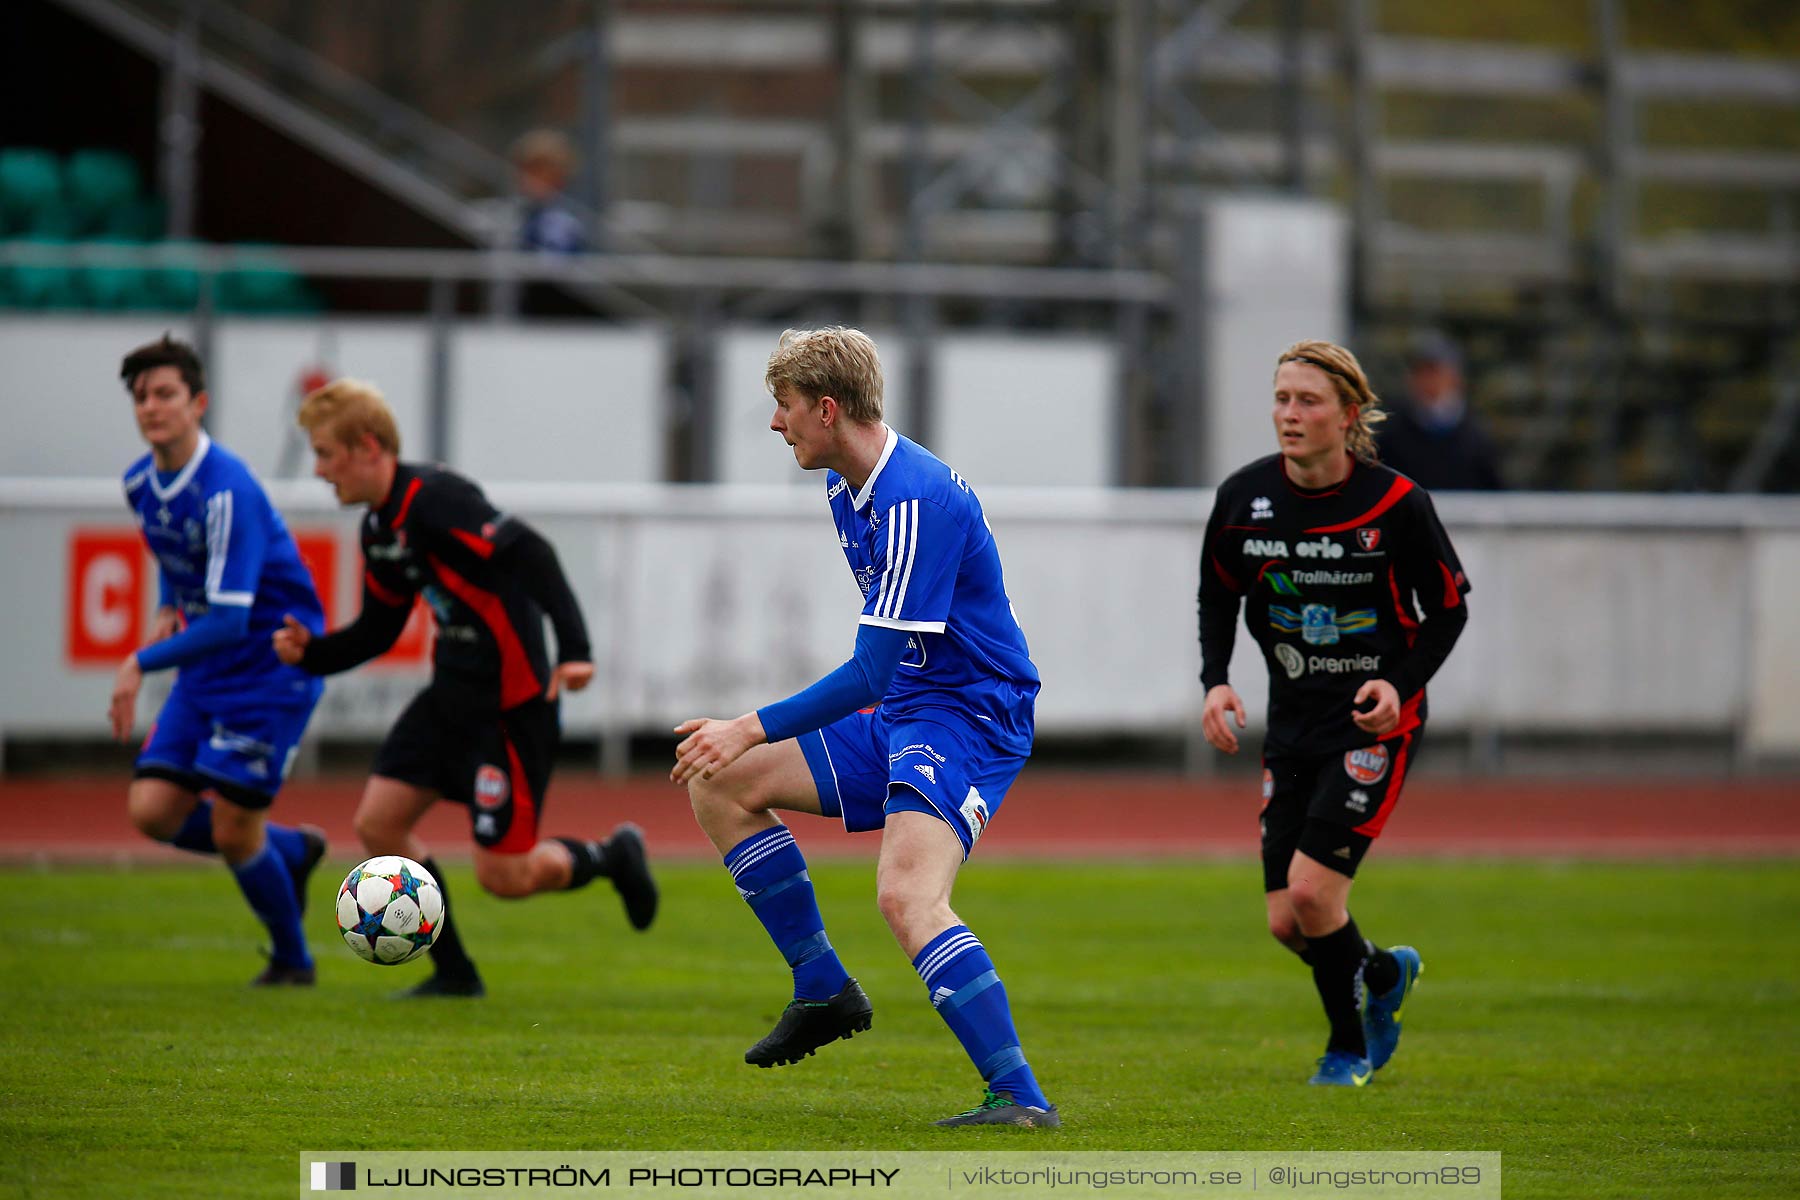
(1614, 1030)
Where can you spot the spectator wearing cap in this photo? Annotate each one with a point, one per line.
(1432, 437)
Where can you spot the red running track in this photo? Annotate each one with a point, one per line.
(1068, 814)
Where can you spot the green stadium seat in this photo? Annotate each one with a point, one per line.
(174, 276)
(142, 220)
(111, 286)
(262, 283)
(31, 190)
(96, 185)
(36, 286)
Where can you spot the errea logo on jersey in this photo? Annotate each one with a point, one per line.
(1261, 509)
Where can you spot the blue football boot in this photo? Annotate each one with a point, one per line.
(1340, 1068)
(1381, 1014)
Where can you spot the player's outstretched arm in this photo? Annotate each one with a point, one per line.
(711, 745)
(532, 561)
(165, 624)
(1222, 701)
(122, 711)
(376, 628)
(291, 640)
(569, 676)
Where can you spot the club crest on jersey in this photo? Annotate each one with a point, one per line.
(1318, 625)
(1368, 765)
(974, 815)
(1368, 537)
(491, 787)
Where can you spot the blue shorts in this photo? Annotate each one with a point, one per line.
(243, 747)
(869, 765)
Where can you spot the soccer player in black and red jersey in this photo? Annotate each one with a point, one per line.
(484, 733)
(1350, 586)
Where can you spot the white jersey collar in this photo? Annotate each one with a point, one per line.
(887, 451)
(181, 480)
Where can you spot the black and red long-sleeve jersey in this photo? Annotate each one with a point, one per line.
(1338, 586)
(488, 578)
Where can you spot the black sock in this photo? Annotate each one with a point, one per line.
(448, 958)
(1381, 970)
(1337, 960)
(589, 860)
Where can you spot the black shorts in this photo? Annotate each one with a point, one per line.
(496, 763)
(1331, 807)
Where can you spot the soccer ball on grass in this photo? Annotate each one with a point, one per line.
(390, 910)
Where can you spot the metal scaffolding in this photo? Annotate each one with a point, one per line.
(1078, 135)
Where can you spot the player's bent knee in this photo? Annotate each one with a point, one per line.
(506, 876)
(378, 833)
(1305, 898)
(154, 819)
(157, 807)
(237, 834)
(904, 904)
(723, 795)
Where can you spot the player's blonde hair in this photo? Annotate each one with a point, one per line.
(1352, 389)
(346, 409)
(836, 362)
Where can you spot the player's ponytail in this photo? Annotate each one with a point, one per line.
(1352, 388)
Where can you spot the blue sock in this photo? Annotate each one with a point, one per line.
(196, 832)
(964, 988)
(269, 888)
(196, 835)
(287, 842)
(770, 873)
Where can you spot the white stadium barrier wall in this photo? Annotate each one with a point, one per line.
(1590, 614)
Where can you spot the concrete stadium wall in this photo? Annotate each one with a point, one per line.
(545, 402)
(1595, 614)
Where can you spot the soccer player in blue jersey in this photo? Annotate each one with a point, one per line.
(919, 735)
(227, 734)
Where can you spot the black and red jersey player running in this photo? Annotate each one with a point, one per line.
(484, 733)
(1351, 587)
